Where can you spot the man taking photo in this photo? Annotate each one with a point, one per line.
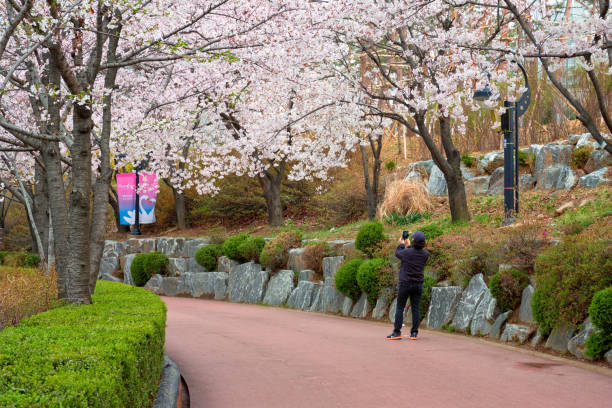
(411, 278)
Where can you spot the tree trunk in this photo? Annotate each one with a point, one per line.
(372, 184)
(271, 191)
(180, 208)
(41, 206)
(2, 232)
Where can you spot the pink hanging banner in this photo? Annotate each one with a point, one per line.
(147, 186)
(126, 192)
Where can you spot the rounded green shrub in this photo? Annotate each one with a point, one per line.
(346, 279)
(230, 246)
(370, 238)
(580, 156)
(432, 231)
(146, 265)
(251, 248)
(372, 276)
(468, 160)
(600, 310)
(598, 344)
(137, 268)
(275, 254)
(390, 165)
(31, 260)
(428, 284)
(208, 256)
(507, 287)
(567, 277)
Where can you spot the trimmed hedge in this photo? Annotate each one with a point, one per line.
(231, 245)
(372, 276)
(208, 256)
(346, 279)
(108, 354)
(370, 238)
(144, 266)
(251, 248)
(600, 312)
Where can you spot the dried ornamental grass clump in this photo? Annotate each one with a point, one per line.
(404, 197)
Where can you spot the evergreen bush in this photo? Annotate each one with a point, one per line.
(31, 260)
(250, 249)
(580, 156)
(372, 276)
(600, 312)
(432, 231)
(370, 238)
(146, 265)
(230, 246)
(275, 254)
(208, 256)
(567, 277)
(507, 287)
(137, 268)
(346, 279)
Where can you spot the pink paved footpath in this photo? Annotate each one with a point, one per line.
(248, 356)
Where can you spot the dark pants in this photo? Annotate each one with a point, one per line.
(405, 290)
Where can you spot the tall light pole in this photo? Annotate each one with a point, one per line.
(510, 127)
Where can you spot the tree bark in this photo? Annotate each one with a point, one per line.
(41, 206)
(180, 208)
(372, 184)
(271, 185)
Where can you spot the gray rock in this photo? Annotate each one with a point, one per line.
(490, 162)
(549, 155)
(192, 245)
(110, 278)
(296, 261)
(337, 244)
(437, 183)
(525, 312)
(608, 357)
(556, 177)
(178, 266)
(317, 298)
(168, 390)
(204, 284)
(331, 265)
(108, 266)
(172, 247)
(468, 303)
(127, 273)
(423, 167)
(466, 173)
(113, 249)
(497, 325)
(174, 287)
(598, 160)
(559, 339)
(193, 266)
(348, 248)
(221, 283)
(587, 140)
(362, 308)
(442, 299)
(415, 176)
(247, 283)
(382, 304)
(306, 275)
(226, 264)
(279, 288)
(347, 305)
(140, 246)
(537, 339)
(577, 343)
(527, 181)
(573, 139)
(484, 316)
(301, 297)
(331, 300)
(407, 313)
(154, 284)
(595, 179)
(517, 333)
(496, 183)
(477, 185)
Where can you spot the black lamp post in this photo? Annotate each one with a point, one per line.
(510, 127)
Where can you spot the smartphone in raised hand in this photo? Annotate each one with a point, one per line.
(405, 235)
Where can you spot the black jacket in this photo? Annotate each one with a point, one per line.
(413, 264)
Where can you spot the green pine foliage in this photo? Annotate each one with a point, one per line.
(144, 266)
(230, 246)
(250, 249)
(208, 256)
(346, 279)
(370, 238)
(105, 355)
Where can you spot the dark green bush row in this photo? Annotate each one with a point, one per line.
(19, 259)
(208, 256)
(600, 312)
(108, 354)
(146, 265)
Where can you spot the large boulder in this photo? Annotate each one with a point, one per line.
(596, 178)
(559, 339)
(440, 305)
(127, 273)
(193, 266)
(517, 333)
(490, 162)
(586, 139)
(577, 343)
(556, 177)
(525, 312)
(497, 325)
(301, 297)
(110, 278)
(221, 285)
(608, 357)
(496, 182)
(537, 339)
(382, 304)
(296, 261)
(174, 287)
(114, 249)
(416, 176)
(527, 181)
(466, 173)
(484, 316)
(407, 313)
(598, 160)
(178, 266)
(337, 245)
(192, 245)
(247, 283)
(154, 284)
(108, 266)
(437, 182)
(306, 274)
(206, 284)
(225, 264)
(347, 306)
(140, 245)
(477, 185)
(422, 167)
(279, 288)
(552, 154)
(172, 247)
(362, 308)
(331, 265)
(468, 303)
(331, 300)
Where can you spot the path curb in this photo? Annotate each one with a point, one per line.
(168, 392)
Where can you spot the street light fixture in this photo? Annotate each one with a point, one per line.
(510, 127)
